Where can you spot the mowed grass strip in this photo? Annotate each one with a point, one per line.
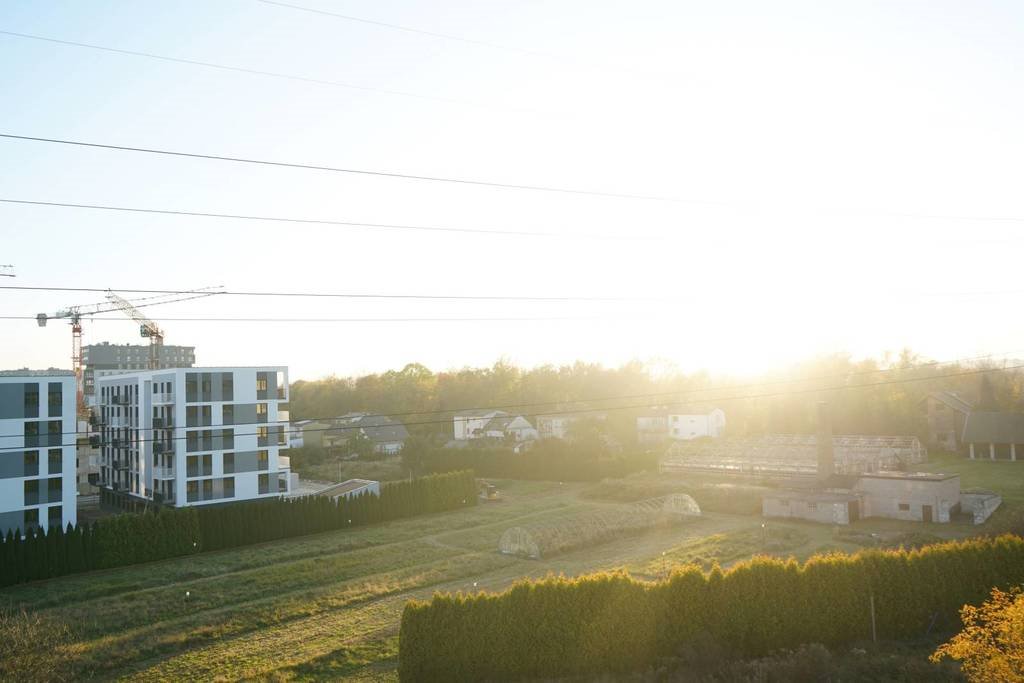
(123, 651)
(145, 607)
(299, 641)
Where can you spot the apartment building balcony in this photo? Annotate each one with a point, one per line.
(163, 472)
(163, 423)
(283, 416)
(119, 400)
(284, 462)
(163, 447)
(166, 397)
(118, 422)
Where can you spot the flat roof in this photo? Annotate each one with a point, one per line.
(25, 372)
(815, 496)
(910, 476)
(345, 487)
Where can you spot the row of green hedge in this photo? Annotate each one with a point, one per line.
(613, 623)
(245, 523)
(134, 538)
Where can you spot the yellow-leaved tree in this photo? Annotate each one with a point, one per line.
(991, 644)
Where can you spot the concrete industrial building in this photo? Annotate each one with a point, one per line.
(37, 449)
(195, 436)
(101, 360)
(663, 425)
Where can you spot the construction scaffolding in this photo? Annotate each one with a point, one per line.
(793, 455)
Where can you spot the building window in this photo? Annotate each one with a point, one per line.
(264, 483)
(280, 386)
(262, 436)
(31, 459)
(31, 400)
(229, 487)
(31, 519)
(192, 466)
(31, 488)
(228, 414)
(262, 460)
(31, 432)
(55, 399)
(229, 464)
(227, 386)
(261, 412)
(904, 507)
(56, 461)
(261, 385)
(55, 516)
(812, 507)
(54, 490)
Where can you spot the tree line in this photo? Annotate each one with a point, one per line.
(610, 623)
(133, 538)
(862, 403)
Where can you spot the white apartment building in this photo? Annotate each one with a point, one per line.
(195, 436)
(37, 449)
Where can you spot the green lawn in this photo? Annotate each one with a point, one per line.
(328, 606)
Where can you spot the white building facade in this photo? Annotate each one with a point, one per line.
(686, 427)
(37, 450)
(195, 436)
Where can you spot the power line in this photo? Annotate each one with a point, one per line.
(705, 400)
(279, 219)
(258, 72)
(470, 182)
(326, 320)
(438, 297)
(448, 36)
(366, 172)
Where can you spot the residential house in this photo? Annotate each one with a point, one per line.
(387, 435)
(304, 433)
(508, 427)
(560, 426)
(469, 424)
(652, 427)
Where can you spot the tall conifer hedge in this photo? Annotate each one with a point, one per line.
(612, 623)
(132, 538)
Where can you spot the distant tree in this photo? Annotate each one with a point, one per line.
(987, 394)
(991, 645)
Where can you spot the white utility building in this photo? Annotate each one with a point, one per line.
(37, 449)
(687, 427)
(194, 436)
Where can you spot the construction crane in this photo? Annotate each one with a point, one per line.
(148, 328)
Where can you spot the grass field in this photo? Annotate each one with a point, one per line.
(328, 606)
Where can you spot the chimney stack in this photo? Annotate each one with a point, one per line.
(826, 459)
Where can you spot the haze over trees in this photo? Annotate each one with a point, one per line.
(869, 396)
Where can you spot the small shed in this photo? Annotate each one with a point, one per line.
(817, 506)
(350, 489)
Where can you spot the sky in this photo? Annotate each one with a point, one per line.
(831, 177)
